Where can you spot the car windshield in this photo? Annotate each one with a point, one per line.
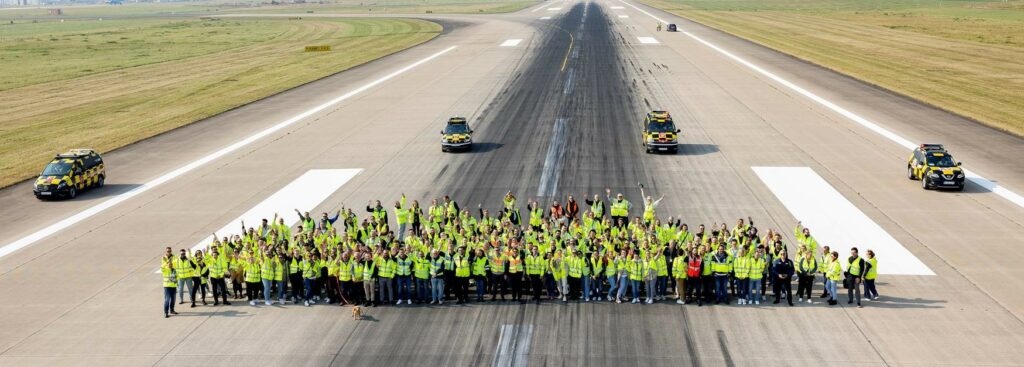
(661, 127)
(943, 161)
(456, 129)
(57, 169)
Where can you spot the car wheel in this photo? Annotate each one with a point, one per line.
(72, 193)
(910, 173)
(924, 183)
(99, 183)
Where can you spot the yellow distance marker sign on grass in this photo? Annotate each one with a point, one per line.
(318, 48)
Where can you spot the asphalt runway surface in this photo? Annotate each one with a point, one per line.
(556, 113)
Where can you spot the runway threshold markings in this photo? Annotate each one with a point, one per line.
(513, 346)
(304, 193)
(117, 199)
(648, 40)
(981, 181)
(834, 221)
(511, 42)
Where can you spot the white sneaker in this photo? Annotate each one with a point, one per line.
(809, 301)
(650, 301)
(587, 299)
(307, 303)
(800, 299)
(635, 300)
(740, 302)
(252, 303)
(609, 298)
(313, 302)
(564, 299)
(876, 298)
(399, 302)
(680, 302)
(618, 300)
(267, 303)
(441, 302)
(757, 302)
(281, 301)
(408, 301)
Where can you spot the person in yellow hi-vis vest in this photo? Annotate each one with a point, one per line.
(170, 281)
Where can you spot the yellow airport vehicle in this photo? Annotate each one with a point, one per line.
(659, 133)
(935, 168)
(456, 135)
(70, 173)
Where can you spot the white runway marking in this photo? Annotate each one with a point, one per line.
(623, 16)
(553, 160)
(545, 18)
(511, 42)
(98, 208)
(513, 346)
(304, 193)
(648, 40)
(617, 7)
(554, 9)
(835, 221)
(975, 178)
(642, 11)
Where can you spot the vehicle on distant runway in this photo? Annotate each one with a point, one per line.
(456, 135)
(935, 168)
(659, 132)
(70, 173)
(672, 27)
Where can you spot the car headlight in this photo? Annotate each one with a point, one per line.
(960, 175)
(933, 175)
(62, 184)
(650, 139)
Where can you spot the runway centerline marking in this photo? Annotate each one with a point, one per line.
(304, 193)
(623, 16)
(973, 177)
(109, 203)
(554, 9)
(511, 43)
(617, 7)
(648, 40)
(834, 221)
(513, 346)
(553, 160)
(545, 18)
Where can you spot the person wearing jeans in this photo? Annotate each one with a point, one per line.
(869, 278)
(437, 266)
(833, 275)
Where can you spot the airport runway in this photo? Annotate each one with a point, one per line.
(556, 94)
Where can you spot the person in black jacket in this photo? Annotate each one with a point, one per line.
(784, 270)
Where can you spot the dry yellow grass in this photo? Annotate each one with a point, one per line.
(965, 58)
(109, 109)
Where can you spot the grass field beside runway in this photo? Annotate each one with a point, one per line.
(228, 7)
(962, 56)
(111, 83)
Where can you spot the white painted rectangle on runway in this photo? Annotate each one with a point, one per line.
(545, 18)
(617, 7)
(623, 16)
(835, 222)
(554, 9)
(513, 346)
(511, 43)
(648, 40)
(304, 193)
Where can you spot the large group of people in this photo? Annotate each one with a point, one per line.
(558, 253)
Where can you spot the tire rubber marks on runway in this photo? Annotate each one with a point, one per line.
(89, 212)
(553, 160)
(834, 221)
(513, 346)
(512, 42)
